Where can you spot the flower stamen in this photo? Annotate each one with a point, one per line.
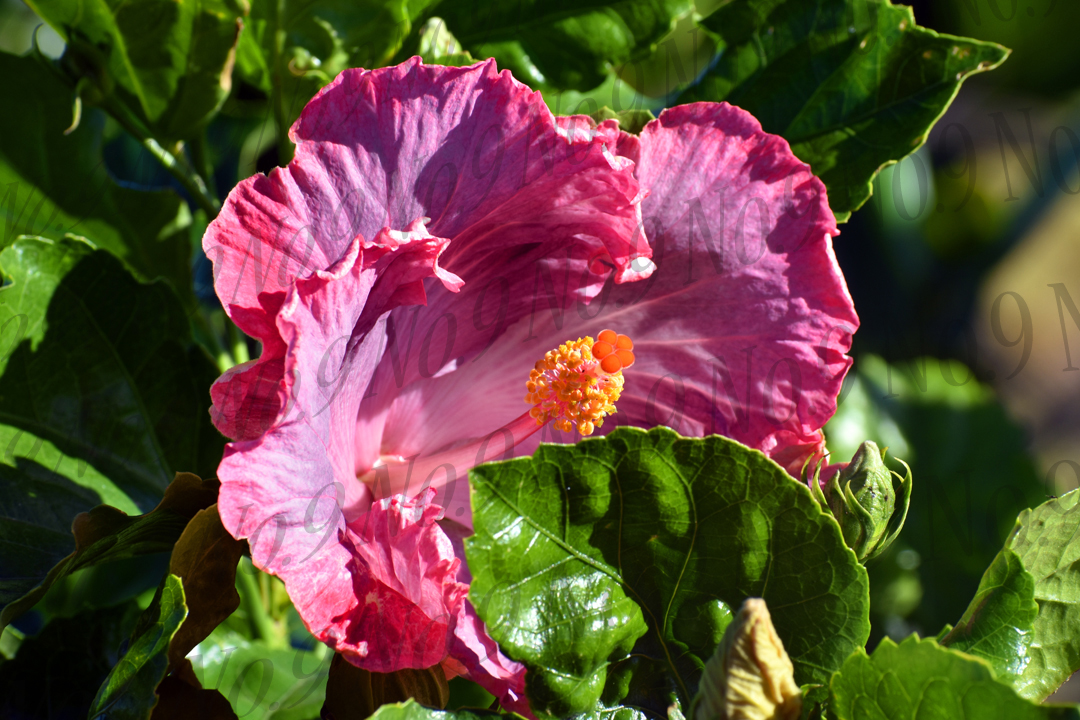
(577, 384)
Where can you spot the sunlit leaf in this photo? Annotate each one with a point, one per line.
(1047, 541)
(128, 691)
(610, 567)
(997, 625)
(919, 679)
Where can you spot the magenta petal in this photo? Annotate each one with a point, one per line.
(744, 327)
(473, 150)
(404, 579)
(485, 664)
(285, 491)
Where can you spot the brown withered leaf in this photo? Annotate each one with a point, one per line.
(181, 697)
(353, 693)
(205, 558)
(105, 533)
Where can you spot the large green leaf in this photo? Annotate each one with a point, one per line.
(1047, 540)
(997, 625)
(260, 680)
(973, 471)
(609, 567)
(171, 60)
(561, 44)
(918, 679)
(103, 398)
(52, 184)
(128, 691)
(853, 85)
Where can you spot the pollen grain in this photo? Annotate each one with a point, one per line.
(573, 388)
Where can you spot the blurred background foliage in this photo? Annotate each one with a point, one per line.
(961, 265)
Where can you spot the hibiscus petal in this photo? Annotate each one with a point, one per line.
(404, 578)
(285, 491)
(485, 664)
(743, 328)
(538, 217)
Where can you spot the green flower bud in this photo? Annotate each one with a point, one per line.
(868, 500)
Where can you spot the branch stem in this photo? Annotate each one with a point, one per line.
(251, 599)
(173, 162)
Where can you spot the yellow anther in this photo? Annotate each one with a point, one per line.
(570, 388)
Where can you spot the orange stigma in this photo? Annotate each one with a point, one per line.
(577, 384)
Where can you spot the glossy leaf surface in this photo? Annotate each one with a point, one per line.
(609, 568)
(128, 691)
(919, 679)
(1046, 541)
(997, 626)
(852, 85)
(561, 45)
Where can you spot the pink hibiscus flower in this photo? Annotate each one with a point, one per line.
(442, 246)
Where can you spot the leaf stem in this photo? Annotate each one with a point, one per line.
(277, 94)
(200, 158)
(208, 337)
(175, 164)
(237, 343)
(251, 599)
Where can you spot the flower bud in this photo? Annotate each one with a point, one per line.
(868, 500)
(750, 676)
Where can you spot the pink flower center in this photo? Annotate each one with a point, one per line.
(573, 386)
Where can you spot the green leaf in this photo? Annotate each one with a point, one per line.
(609, 567)
(263, 682)
(412, 710)
(1045, 539)
(170, 60)
(919, 679)
(128, 691)
(312, 41)
(997, 625)
(561, 44)
(105, 534)
(974, 475)
(205, 558)
(631, 121)
(52, 184)
(852, 85)
(103, 398)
